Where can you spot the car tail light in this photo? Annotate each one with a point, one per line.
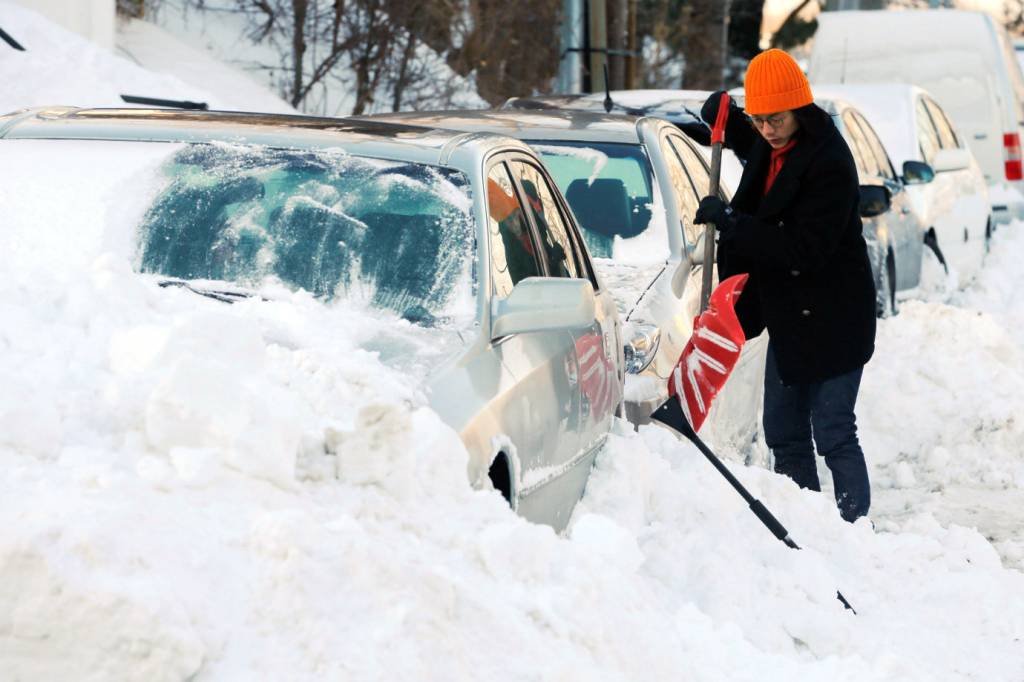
(1011, 151)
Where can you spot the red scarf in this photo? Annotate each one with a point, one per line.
(775, 164)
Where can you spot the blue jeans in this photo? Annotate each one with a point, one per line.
(792, 414)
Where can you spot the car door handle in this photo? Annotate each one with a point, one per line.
(904, 210)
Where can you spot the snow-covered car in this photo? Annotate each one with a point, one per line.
(897, 259)
(947, 189)
(963, 58)
(462, 239)
(893, 231)
(634, 185)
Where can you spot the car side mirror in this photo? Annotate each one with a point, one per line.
(874, 200)
(692, 255)
(917, 173)
(951, 160)
(539, 304)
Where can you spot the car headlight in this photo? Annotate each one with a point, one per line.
(641, 346)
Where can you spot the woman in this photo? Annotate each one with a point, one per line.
(794, 226)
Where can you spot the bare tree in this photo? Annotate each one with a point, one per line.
(703, 47)
(510, 47)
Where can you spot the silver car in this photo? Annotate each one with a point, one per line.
(464, 236)
(634, 185)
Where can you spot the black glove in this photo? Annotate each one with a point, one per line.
(714, 210)
(709, 112)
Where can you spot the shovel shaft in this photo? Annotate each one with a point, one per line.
(707, 281)
(671, 415)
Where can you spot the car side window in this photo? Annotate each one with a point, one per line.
(877, 149)
(684, 192)
(695, 167)
(556, 245)
(513, 250)
(947, 140)
(949, 124)
(858, 145)
(927, 137)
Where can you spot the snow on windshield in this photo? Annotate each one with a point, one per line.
(334, 225)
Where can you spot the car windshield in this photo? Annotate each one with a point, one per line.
(396, 236)
(611, 191)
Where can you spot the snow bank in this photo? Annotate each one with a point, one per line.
(40, 76)
(197, 491)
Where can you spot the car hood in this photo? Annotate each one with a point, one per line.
(628, 282)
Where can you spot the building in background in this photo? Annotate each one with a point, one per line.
(92, 19)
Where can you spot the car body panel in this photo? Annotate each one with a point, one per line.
(649, 297)
(963, 58)
(521, 395)
(955, 203)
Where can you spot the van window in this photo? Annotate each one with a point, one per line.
(927, 136)
(1013, 71)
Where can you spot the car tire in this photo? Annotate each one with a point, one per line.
(500, 475)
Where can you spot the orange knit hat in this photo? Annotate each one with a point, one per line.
(775, 83)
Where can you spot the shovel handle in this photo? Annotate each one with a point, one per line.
(718, 130)
(717, 139)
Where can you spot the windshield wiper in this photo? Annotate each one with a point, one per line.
(216, 294)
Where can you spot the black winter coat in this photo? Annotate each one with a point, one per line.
(810, 278)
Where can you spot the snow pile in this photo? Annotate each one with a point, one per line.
(201, 491)
(40, 76)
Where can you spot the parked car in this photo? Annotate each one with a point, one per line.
(465, 238)
(891, 228)
(680, 107)
(634, 185)
(946, 187)
(888, 234)
(962, 58)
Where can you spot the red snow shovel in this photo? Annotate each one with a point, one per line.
(703, 368)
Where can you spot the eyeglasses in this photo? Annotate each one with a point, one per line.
(773, 122)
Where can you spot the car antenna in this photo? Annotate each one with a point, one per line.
(842, 73)
(608, 103)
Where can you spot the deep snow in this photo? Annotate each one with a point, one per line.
(192, 490)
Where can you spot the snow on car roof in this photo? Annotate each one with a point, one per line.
(170, 125)
(546, 124)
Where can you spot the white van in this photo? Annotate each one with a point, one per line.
(962, 58)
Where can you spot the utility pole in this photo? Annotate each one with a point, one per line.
(570, 68)
(598, 21)
(631, 60)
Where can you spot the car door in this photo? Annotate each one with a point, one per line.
(734, 415)
(908, 237)
(877, 229)
(542, 418)
(959, 186)
(598, 384)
